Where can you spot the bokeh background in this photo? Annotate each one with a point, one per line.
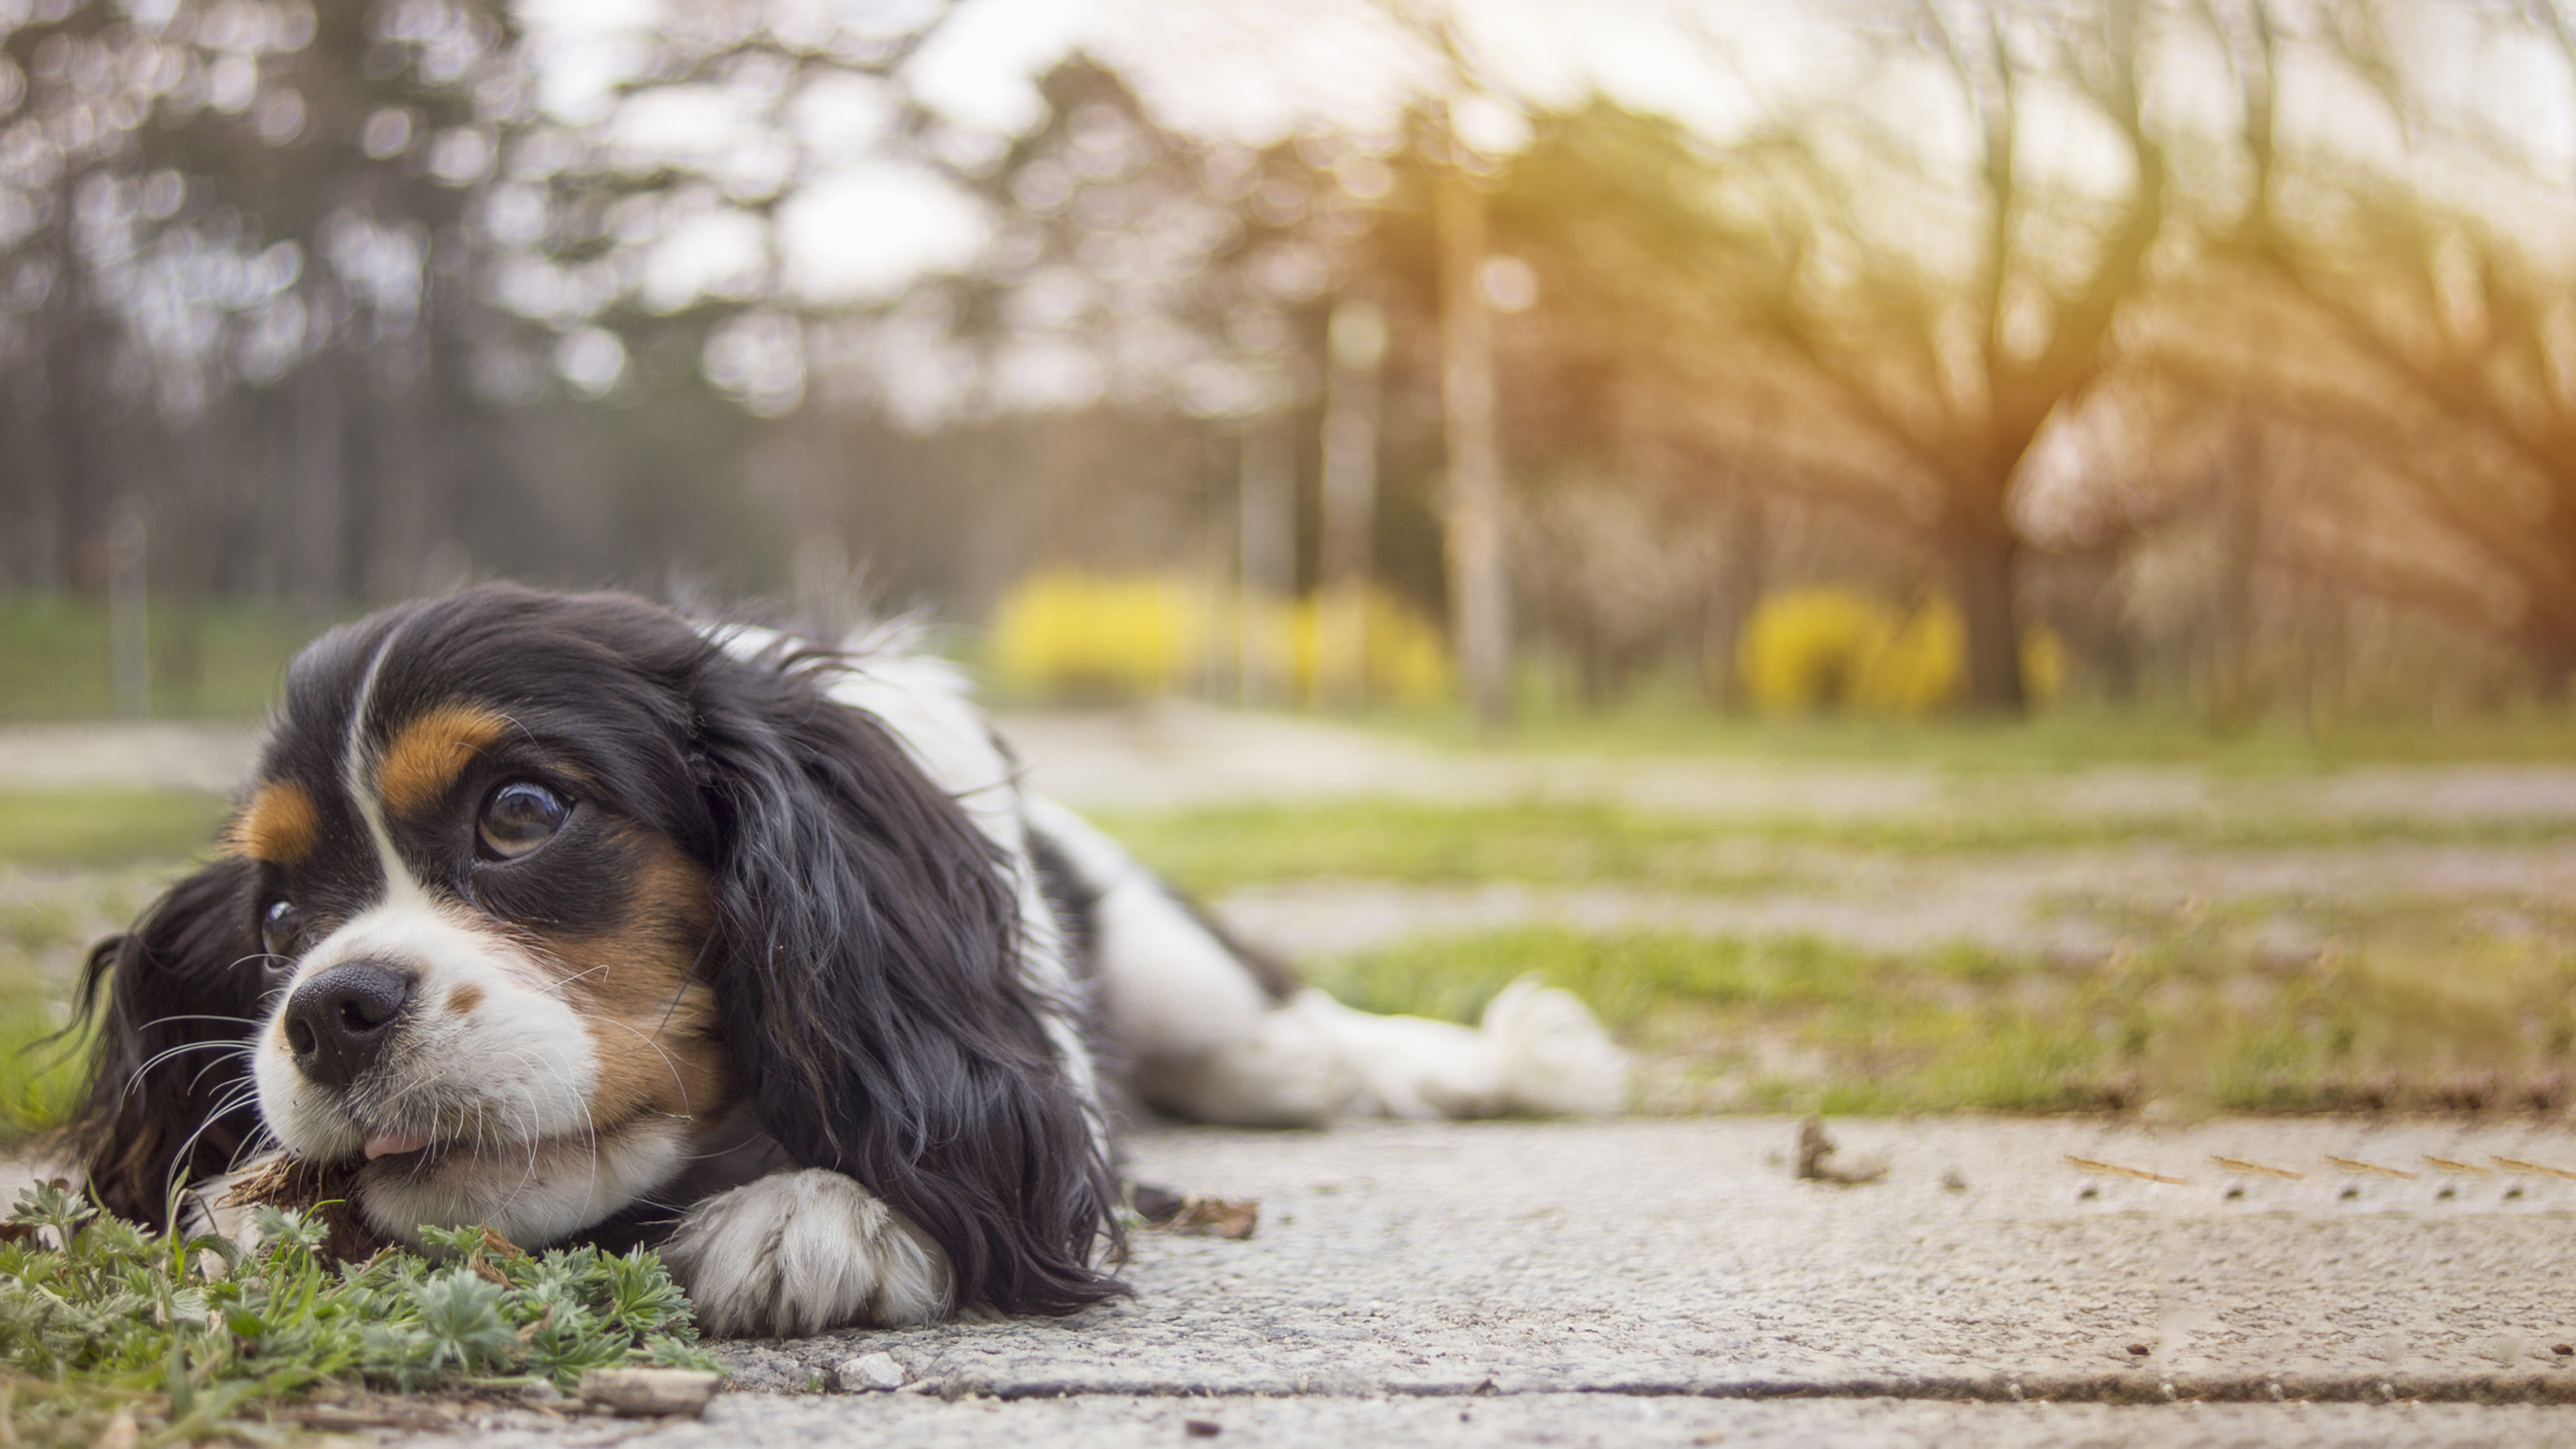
(1925, 553)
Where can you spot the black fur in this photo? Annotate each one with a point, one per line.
(869, 943)
(169, 1081)
(866, 953)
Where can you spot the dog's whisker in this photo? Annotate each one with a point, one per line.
(217, 1062)
(182, 1049)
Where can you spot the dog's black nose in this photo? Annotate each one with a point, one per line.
(339, 1021)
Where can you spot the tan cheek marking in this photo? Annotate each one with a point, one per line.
(652, 1024)
(427, 755)
(464, 999)
(279, 825)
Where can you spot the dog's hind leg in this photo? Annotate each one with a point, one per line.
(1203, 1028)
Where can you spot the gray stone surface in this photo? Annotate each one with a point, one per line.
(1608, 1421)
(1681, 1258)
(1655, 1282)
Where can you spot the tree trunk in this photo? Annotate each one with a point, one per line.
(1267, 515)
(316, 522)
(2547, 631)
(1747, 545)
(1357, 343)
(1479, 604)
(129, 642)
(1982, 553)
(2240, 517)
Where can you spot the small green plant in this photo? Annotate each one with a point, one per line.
(195, 1336)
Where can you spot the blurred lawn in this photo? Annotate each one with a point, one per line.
(1213, 849)
(59, 828)
(40, 1073)
(1798, 1025)
(86, 860)
(2065, 736)
(209, 661)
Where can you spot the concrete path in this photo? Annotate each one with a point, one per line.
(1659, 1282)
(1576, 1421)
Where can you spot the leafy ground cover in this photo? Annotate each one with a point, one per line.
(188, 1337)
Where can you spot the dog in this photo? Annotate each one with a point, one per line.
(584, 921)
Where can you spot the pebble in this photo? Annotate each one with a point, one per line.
(877, 1371)
(639, 1392)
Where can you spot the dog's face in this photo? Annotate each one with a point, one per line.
(485, 951)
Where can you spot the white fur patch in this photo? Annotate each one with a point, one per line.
(536, 1191)
(518, 1068)
(1206, 1041)
(1556, 1059)
(802, 1251)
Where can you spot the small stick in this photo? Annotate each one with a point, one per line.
(2518, 1165)
(2239, 1164)
(2112, 1169)
(2350, 1164)
(2468, 1169)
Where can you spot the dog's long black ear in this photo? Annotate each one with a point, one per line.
(173, 1003)
(869, 948)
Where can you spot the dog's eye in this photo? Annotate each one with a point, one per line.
(521, 816)
(281, 930)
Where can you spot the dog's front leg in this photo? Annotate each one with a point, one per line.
(802, 1251)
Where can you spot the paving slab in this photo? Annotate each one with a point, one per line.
(2335, 1281)
(1536, 1419)
(1650, 1257)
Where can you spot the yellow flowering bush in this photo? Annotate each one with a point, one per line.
(1818, 649)
(1068, 635)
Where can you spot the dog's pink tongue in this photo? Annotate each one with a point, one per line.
(386, 1144)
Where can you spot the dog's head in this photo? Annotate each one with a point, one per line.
(532, 892)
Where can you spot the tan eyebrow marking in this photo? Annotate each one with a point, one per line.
(279, 825)
(465, 998)
(426, 757)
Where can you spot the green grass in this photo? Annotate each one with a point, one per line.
(194, 1338)
(1218, 848)
(2440, 1021)
(208, 661)
(95, 836)
(95, 827)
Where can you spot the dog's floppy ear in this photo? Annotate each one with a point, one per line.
(173, 1003)
(868, 947)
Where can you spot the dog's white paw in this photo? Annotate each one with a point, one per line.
(1556, 1059)
(802, 1251)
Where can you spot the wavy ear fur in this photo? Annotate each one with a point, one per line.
(868, 942)
(173, 1002)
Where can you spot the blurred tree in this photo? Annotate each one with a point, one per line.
(235, 243)
(2434, 287)
(1959, 303)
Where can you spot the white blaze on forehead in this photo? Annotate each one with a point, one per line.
(357, 775)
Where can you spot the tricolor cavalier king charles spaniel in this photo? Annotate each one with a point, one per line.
(575, 918)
